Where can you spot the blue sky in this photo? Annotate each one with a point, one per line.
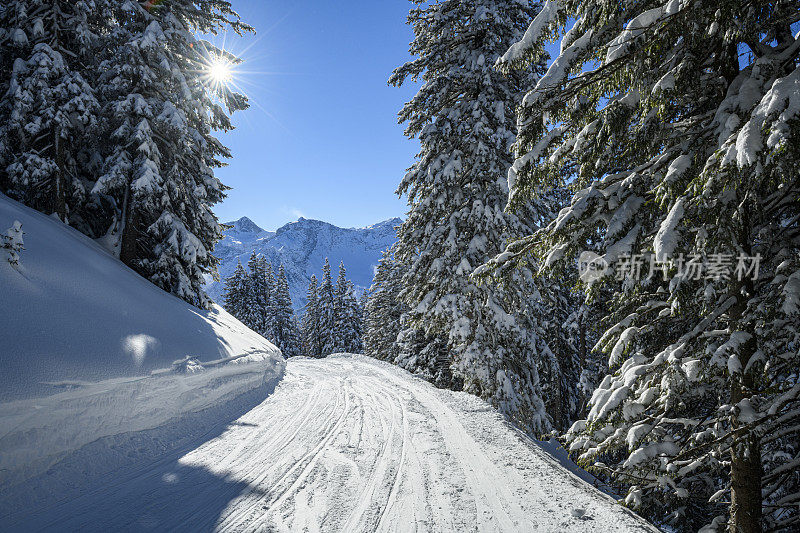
(321, 138)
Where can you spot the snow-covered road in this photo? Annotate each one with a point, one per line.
(349, 444)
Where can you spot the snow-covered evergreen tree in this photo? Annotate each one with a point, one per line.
(332, 322)
(236, 288)
(13, 243)
(383, 310)
(47, 108)
(576, 338)
(484, 334)
(254, 305)
(678, 125)
(268, 298)
(355, 315)
(347, 315)
(106, 120)
(285, 333)
(161, 109)
(327, 314)
(311, 333)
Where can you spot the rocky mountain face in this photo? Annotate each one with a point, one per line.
(302, 247)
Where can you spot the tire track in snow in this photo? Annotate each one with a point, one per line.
(246, 448)
(353, 444)
(304, 465)
(369, 495)
(497, 508)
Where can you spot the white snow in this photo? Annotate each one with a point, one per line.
(783, 100)
(87, 359)
(533, 34)
(73, 312)
(124, 408)
(621, 345)
(791, 291)
(38, 433)
(678, 168)
(666, 83)
(636, 27)
(667, 239)
(559, 69)
(350, 444)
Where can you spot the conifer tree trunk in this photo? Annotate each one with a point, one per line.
(58, 190)
(127, 245)
(745, 482)
(746, 467)
(59, 194)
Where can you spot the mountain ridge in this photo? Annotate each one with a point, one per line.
(302, 246)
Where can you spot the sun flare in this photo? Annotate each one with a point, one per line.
(220, 71)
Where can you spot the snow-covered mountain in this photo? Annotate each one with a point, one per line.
(302, 247)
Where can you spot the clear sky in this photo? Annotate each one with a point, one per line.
(321, 138)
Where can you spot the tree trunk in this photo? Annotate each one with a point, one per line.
(59, 194)
(746, 468)
(127, 245)
(582, 348)
(746, 486)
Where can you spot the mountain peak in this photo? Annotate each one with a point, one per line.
(389, 223)
(303, 223)
(302, 247)
(245, 225)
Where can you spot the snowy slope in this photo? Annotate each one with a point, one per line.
(349, 444)
(302, 247)
(73, 312)
(86, 362)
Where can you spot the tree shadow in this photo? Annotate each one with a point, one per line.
(169, 497)
(133, 482)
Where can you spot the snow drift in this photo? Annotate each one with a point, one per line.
(97, 362)
(74, 312)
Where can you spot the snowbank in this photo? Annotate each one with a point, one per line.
(98, 367)
(37, 434)
(73, 312)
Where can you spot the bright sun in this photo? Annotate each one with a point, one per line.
(220, 71)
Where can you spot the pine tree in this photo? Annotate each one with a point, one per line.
(356, 312)
(252, 302)
(268, 299)
(327, 313)
(311, 321)
(479, 333)
(160, 109)
(340, 322)
(106, 120)
(353, 319)
(678, 125)
(286, 335)
(577, 336)
(235, 292)
(48, 110)
(13, 243)
(170, 191)
(347, 326)
(383, 310)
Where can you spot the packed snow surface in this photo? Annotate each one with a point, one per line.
(350, 444)
(72, 312)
